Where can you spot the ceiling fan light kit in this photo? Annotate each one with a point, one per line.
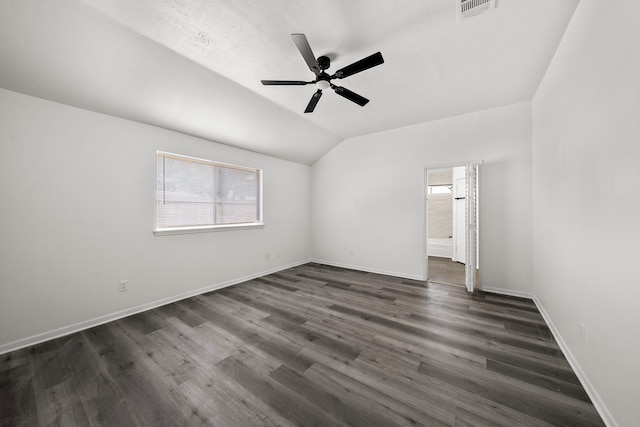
(323, 79)
(323, 84)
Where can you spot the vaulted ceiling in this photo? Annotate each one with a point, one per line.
(195, 66)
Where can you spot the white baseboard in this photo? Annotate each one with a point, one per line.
(508, 292)
(369, 270)
(582, 377)
(602, 409)
(440, 252)
(80, 326)
(597, 401)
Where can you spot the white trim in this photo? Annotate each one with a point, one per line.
(507, 292)
(452, 164)
(597, 401)
(425, 207)
(207, 228)
(439, 251)
(369, 270)
(471, 228)
(258, 223)
(425, 226)
(207, 161)
(86, 324)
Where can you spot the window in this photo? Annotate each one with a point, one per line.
(195, 194)
(440, 189)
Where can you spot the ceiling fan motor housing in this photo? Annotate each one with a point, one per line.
(324, 62)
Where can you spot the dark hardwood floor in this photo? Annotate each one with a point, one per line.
(314, 346)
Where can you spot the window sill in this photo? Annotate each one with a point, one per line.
(206, 229)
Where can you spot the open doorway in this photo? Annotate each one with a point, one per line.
(451, 225)
(442, 224)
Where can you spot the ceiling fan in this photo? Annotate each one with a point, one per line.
(323, 80)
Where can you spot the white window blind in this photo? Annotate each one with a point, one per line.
(196, 193)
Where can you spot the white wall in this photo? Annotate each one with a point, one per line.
(586, 193)
(368, 195)
(77, 213)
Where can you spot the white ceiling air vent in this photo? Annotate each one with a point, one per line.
(469, 8)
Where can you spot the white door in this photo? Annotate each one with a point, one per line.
(471, 173)
(459, 214)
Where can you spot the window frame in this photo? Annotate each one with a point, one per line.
(162, 231)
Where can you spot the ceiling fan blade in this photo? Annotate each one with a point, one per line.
(303, 46)
(351, 96)
(313, 102)
(284, 82)
(358, 66)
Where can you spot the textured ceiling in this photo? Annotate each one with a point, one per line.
(195, 66)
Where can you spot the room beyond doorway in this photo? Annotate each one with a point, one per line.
(445, 271)
(451, 225)
(445, 227)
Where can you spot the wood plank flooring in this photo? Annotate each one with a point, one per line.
(446, 271)
(309, 346)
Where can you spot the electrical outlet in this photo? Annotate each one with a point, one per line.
(277, 254)
(124, 286)
(267, 255)
(583, 336)
(351, 252)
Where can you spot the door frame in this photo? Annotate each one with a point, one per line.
(457, 231)
(425, 207)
